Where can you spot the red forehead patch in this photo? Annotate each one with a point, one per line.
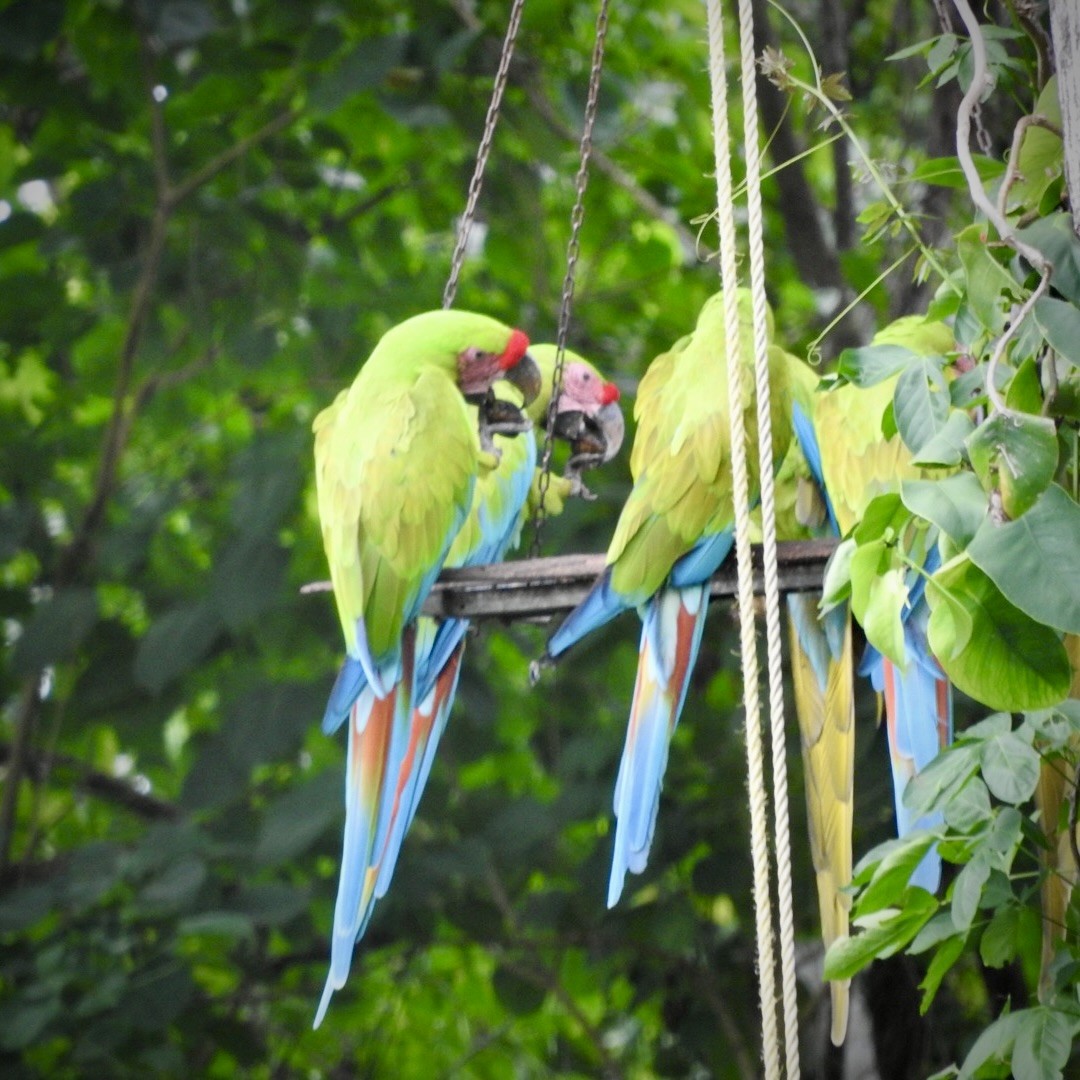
(609, 393)
(514, 351)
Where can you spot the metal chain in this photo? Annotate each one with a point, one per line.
(573, 247)
(492, 119)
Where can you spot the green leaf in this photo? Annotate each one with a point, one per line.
(1035, 560)
(1040, 160)
(968, 808)
(175, 887)
(882, 617)
(967, 891)
(1025, 391)
(365, 68)
(872, 364)
(995, 1043)
(1010, 767)
(836, 586)
(947, 447)
(890, 880)
(1060, 323)
(1054, 237)
(1018, 663)
(921, 402)
(884, 933)
(936, 785)
(55, 631)
(998, 943)
(1044, 1043)
(956, 504)
(990, 287)
(298, 818)
(1016, 454)
(176, 643)
(943, 960)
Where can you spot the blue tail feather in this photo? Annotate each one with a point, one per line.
(599, 607)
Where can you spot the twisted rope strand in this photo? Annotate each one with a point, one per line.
(782, 838)
(759, 848)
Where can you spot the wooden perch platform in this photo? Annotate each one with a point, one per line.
(535, 588)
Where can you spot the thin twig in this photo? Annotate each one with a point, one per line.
(1074, 817)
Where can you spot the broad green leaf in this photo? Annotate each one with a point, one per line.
(883, 934)
(1044, 1043)
(881, 618)
(1035, 560)
(1025, 391)
(947, 447)
(1060, 323)
(836, 586)
(990, 286)
(997, 946)
(967, 891)
(298, 818)
(365, 68)
(1014, 663)
(175, 887)
(921, 402)
(1010, 767)
(890, 880)
(937, 930)
(56, 629)
(1003, 840)
(935, 785)
(995, 1043)
(872, 364)
(943, 960)
(955, 504)
(969, 808)
(1016, 454)
(1040, 161)
(1054, 237)
(882, 514)
(175, 643)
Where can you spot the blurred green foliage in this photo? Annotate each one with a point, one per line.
(209, 212)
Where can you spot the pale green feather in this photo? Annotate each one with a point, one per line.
(396, 456)
(681, 456)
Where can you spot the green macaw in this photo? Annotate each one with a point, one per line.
(397, 457)
(854, 462)
(384, 796)
(674, 531)
(822, 669)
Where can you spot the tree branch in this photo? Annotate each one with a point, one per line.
(113, 789)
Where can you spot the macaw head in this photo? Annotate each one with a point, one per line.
(587, 415)
(474, 349)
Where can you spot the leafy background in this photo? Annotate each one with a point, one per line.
(210, 212)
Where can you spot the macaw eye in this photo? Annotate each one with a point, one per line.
(473, 355)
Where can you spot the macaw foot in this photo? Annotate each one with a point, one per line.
(498, 417)
(572, 472)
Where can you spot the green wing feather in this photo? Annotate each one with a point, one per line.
(396, 460)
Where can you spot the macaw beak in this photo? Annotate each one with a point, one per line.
(525, 375)
(609, 419)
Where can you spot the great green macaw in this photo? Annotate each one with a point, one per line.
(675, 530)
(383, 797)
(397, 457)
(850, 456)
(822, 669)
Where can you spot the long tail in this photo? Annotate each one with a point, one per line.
(918, 715)
(427, 725)
(375, 726)
(670, 638)
(823, 672)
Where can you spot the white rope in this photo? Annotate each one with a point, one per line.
(759, 848)
(782, 837)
